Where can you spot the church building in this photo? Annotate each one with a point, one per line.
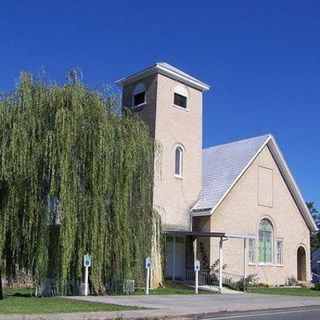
(236, 203)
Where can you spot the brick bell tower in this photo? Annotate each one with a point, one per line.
(169, 101)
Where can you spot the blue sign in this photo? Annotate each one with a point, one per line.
(148, 263)
(197, 265)
(87, 261)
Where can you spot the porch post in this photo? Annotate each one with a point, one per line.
(244, 261)
(174, 259)
(195, 242)
(220, 264)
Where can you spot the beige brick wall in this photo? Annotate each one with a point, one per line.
(170, 125)
(147, 112)
(240, 213)
(173, 196)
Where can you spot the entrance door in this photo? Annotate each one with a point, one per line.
(301, 264)
(175, 264)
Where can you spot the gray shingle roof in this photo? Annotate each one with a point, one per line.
(221, 166)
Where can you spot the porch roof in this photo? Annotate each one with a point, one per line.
(205, 234)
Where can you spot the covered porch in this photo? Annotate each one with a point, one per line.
(183, 250)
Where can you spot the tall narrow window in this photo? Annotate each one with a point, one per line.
(178, 161)
(139, 95)
(251, 251)
(280, 252)
(265, 241)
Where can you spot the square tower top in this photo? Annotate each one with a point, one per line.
(167, 70)
(169, 101)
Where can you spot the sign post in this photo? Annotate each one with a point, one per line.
(196, 270)
(87, 265)
(148, 267)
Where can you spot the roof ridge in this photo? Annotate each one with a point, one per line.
(237, 141)
(167, 70)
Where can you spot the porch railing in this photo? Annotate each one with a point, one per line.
(206, 278)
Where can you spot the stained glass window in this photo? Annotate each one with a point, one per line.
(265, 241)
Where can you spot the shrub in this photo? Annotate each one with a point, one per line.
(215, 267)
(291, 281)
(317, 286)
(263, 285)
(244, 283)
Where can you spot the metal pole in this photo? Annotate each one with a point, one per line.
(174, 259)
(220, 264)
(1, 290)
(197, 281)
(86, 277)
(147, 281)
(195, 241)
(151, 279)
(244, 262)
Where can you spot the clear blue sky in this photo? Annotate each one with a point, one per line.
(262, 59)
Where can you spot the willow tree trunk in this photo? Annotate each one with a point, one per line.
(1, 291)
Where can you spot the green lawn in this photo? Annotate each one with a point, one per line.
(29, 305)
(22, 303)
(173, 288)
(287, 291)
(170, 290)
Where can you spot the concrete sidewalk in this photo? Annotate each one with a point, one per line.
(178, 306)
(190, 304)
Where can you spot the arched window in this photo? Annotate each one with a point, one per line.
(178, 161)
(265, 241)
(180, 96)
(139, 95)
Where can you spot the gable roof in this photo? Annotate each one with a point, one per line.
(224, 165)
(169, 71)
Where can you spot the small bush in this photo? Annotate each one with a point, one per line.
(263, 285)
(244, 283)
(317, 286)
(215, 267)
(292, 281)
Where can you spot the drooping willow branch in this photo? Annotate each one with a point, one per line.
(75, 177)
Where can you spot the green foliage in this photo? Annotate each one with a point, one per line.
(307, 292)
(263, 285)
(292, 281)
(317, 286)
(248, 282)
(204, 257)
(314, 211)
(33, 305)
(315, 236)
(244, 283)
(75, 177)
(215, 267)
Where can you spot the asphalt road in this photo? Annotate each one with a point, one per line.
(308, 313)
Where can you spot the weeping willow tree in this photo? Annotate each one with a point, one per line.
(75, 177)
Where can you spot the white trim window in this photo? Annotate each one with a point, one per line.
(180, 97)
(252, 251)
(265, 241)
(178, 169)
(139, 95)
(279, 252)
